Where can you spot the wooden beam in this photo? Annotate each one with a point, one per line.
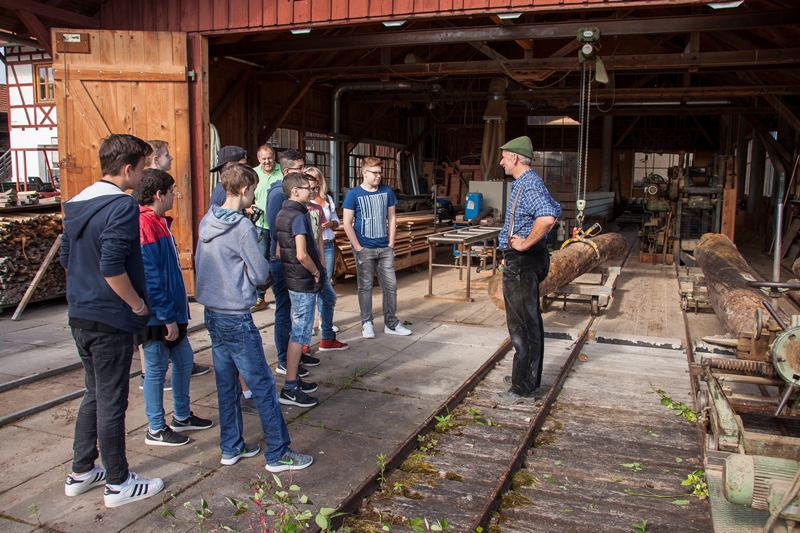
(37, 29)
(523, 67)
(61, 16)
(524, 44)
(419, 138)
(238, 87)
(767, 137)
(558, 30)
(270, 128)
(784, 111)
(16, 39)
(483, 48)
(376, 116)
(628, 130)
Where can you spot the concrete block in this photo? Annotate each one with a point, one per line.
(36, 453)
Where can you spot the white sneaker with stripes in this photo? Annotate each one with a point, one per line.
(79, 484)
(135, 488)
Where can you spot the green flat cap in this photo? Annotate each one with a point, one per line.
(520, 145)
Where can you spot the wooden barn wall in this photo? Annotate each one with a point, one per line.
(215, 15)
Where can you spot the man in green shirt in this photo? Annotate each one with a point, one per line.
(268, 172)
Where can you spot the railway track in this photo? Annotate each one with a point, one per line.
(596, 451)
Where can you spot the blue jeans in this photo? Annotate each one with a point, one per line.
(236, 349)
(263, 247)
(106, 359)
(380, 261)
(302, 316)
(283, 310)
(326, 303)
(330, 256)
(156, 361)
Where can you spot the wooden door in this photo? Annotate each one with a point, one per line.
(130, 82)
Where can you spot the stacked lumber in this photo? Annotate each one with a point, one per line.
(411, 237)
(27, 197)
(8, 198)
(25, 240)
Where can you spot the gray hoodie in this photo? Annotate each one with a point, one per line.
(228, 263)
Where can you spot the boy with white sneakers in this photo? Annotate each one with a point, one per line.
(370, 224)
(229, 266)
(106, 292)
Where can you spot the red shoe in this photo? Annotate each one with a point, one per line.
(306, 350)
(330, 345)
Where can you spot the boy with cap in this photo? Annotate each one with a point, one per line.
(227, 156)
(229, 267)
(530, 214)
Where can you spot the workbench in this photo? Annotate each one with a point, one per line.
(464, 238)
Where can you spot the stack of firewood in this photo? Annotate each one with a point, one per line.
(25, 240)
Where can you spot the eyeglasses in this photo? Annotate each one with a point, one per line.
(375, 172)
(298, 169)
(306, 187)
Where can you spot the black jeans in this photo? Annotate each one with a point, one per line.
(521, 276)
(106, 359)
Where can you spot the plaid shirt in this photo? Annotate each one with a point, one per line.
(534, 202)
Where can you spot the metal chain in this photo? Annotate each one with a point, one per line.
(580, 131)
(586, 134)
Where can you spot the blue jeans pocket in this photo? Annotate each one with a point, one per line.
(231, 336)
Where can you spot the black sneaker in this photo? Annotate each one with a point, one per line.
(302, 372)
(165, 437)
(249, 406)
(200, 370)
(307, 386)
(308, 360)
(297, 397)
(191, 423)
(167, 383)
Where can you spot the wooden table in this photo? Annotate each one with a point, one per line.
(464, 238)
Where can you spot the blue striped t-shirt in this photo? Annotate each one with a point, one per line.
(371, 212)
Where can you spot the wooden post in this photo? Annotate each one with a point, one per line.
(38, 278)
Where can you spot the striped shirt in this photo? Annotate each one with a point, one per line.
(371, 213)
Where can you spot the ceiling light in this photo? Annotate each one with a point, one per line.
(300, 31)
(726, 5)
(393, 23)
(508, 16)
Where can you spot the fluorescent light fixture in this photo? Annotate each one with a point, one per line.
(726, 5)
(393, 23)
(709, 102)
(300, 31)
(508, 16)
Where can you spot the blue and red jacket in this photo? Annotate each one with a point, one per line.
(166, 291)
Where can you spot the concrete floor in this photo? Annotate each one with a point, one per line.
(371, 397)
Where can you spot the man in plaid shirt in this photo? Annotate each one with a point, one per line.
(530, 214)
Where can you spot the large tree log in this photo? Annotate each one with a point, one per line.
(727, 273)
(567, 264)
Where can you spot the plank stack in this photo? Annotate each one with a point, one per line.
(25, 240)
(410, 247)
(8, 198)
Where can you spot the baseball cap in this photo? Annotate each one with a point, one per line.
(228, 154)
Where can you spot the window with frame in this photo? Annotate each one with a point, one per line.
(385, 153)
(284, 138)
(556, 167)
(645, 164)
(318, 155)
(44, 84)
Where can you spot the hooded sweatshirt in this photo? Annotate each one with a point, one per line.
(101, 240)
(228, 264)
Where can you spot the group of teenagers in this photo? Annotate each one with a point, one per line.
(272, 224)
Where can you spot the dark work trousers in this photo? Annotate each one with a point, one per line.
(521, 276)
(106, 359)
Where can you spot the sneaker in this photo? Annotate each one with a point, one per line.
(510, 398)
(135, 488)
(200, 370)
(260, 304)
(307, 386)
(332, 345)
(318, 329)
(249, 406)
(297, 397)
(306, 349)
(291, 460)
(249, 450)
(165, 437)
(190, 424)
(367, 331)
(399, 329)
(167, 383)
(307, 360)
(94, 478)
(302, 372)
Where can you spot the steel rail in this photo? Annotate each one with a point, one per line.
(353, 501)
(504, 482)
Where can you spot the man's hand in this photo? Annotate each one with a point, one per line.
(518, 243)
(172, 331)
(327, 224)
